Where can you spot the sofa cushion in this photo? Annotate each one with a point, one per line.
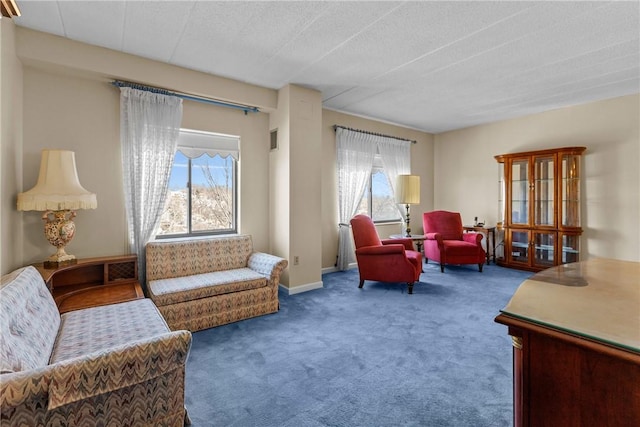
(29, 321)
(184, 258)
(100, 328)
(197, 286)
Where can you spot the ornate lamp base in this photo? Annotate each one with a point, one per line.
(408, 228)
(59, 229)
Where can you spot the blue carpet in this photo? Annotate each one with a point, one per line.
(343, 356)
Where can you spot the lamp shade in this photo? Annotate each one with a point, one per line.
(58, 187)
(408, 189)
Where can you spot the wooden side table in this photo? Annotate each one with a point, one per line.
(486, 231)
(92, 282)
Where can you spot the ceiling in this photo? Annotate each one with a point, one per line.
(429, 65)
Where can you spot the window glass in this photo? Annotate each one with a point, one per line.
(174, 219)
(378, 200)
(212, 193)
(201, 197)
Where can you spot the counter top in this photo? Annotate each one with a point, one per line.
(598, 299)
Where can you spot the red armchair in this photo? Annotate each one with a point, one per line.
(447, 243)
(389, 260)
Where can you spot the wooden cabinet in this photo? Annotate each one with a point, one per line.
(576, 346)
(93, 281)
(539, 207)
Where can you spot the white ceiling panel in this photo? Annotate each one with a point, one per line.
(42, 16)
(100, 23)
(299, 58)
(152, 30)
(430, 65)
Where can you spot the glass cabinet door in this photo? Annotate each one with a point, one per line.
(519, 246)
(570, 248)
(544, 249)
(520, 191)
(570, 190)
(544, 191)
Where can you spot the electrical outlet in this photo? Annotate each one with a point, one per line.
(296, 260)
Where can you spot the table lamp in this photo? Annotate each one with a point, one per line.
(408, 193)
(58, 194)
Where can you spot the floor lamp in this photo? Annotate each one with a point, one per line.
(58, 194)
(408, 193)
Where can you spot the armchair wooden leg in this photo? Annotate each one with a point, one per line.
(480, 266)
(361, 283)
(410, 287)
(441, 267)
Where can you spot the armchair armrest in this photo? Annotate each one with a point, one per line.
(16, 388)
(268, 265)
(433, 236)
(472, 237)
(96, 373)
(381, 250)
(118, 367)
(406, 242)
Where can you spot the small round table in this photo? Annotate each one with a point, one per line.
(418, 239)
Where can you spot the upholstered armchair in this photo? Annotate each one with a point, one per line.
(389, 260)
(447, 243)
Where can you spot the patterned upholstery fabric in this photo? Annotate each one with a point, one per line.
(210, 282)
(184, 258)
(29, 321)
(114, 365)
(86, 331)
(220, 310)
(187, 288)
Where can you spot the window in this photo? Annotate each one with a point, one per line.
(378, 200)
(202, 195)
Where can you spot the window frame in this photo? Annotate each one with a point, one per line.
(196, 233)
(368, 191)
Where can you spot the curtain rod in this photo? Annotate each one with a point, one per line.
(245, 108)
(374, 133)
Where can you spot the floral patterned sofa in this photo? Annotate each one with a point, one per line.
(114, 365)
(202, 283)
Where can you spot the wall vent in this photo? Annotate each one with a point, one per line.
(274, 139)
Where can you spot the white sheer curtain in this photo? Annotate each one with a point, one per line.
(396, 160)
(149, 129)
(355, 153)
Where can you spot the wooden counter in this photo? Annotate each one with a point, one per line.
(576, 353)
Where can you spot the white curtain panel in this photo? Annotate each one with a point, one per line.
(149, 130)
(396, 160)
(355, 153)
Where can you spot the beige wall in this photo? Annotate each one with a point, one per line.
(466, 173)
(305, 123)
(422, 163)
(11, 239)
(297, 189)
(279, 177)
(77, 108)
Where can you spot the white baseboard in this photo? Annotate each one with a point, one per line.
(317, 285)
(334, 269)
(302, 288)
